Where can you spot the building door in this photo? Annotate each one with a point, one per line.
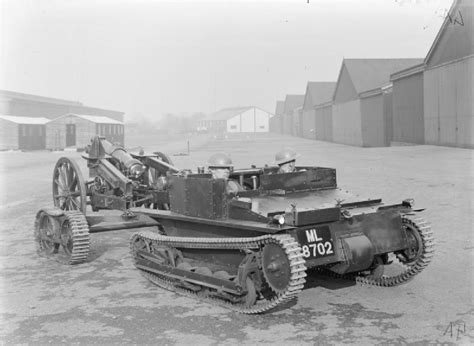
(23, 137)
(70, 135)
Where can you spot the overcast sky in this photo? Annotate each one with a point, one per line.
(147, 58)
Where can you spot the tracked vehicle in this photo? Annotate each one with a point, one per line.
(251, 250)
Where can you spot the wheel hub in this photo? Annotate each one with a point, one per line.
(276, 267)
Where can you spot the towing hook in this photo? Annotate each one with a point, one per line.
(346, 214)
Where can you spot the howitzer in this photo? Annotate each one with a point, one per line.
(118, 180)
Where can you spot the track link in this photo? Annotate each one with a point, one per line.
(286, 242)
(80, 237)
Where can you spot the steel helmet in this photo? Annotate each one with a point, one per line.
(285, 155)
(220, 160)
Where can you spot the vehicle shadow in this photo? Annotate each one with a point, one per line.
(318, 279)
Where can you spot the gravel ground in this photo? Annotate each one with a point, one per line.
(107, 301)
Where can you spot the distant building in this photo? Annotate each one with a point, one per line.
(288, 124)
(448, 95)
(76, 130)
(433, 100)
(19, 104)
(316, 120)
(297, 122)
(362, 101)
(24, 133)
(407, 104)
(238, 119)
(275, 121)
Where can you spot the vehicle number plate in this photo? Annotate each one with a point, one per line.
(316, 242)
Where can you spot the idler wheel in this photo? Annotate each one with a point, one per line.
(415, 244)
(45, 234)
(276, 267)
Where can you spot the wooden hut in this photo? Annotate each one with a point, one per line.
(24, 133)
(76, 130)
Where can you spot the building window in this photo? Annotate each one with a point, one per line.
(261, 127)
(233, 127)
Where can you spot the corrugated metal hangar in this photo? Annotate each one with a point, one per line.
(380, 101)
(433, 101)
(275, 121)
(359, 114)
(292, 102)
(317, 113)
(237, 119)
(448, 81)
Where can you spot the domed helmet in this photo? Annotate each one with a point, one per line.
(285, 155)
(220, 160)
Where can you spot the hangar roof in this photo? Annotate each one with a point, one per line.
(369, 74)
(318, 93)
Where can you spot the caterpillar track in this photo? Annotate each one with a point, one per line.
(418, 226)
(268, 295)
(56, 229)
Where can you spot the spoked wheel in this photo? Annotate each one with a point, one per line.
(69, 190)
(45, 234)
(75, 238)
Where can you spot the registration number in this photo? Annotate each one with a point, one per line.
(316, 242)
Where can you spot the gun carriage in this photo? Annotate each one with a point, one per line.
(250, 250)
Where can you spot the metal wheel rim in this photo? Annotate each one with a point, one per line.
(69, 190)
(415, 251)
(45, 235)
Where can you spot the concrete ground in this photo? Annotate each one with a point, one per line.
(107, 301)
